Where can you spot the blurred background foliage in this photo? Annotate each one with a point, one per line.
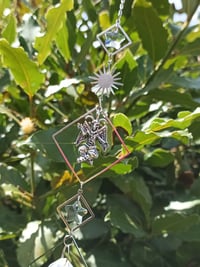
(147, 207)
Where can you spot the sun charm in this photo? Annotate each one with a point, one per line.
(105, 82)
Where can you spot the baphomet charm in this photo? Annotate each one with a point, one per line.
(91, 138)
(62, 262)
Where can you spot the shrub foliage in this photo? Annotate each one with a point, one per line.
(147, 206)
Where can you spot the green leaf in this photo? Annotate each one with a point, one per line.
(11, 220)
(173, 223)
(183, 121)
(166, 244)
(108, 255)
(189, 251)
(55, 17)
(36, 239)
(175, 97)
(122, 121)
(137, 189)
(9, 32)
(121, 214)
(189, 6)
(10, 175)
(3, 5)
(143, 255)
(84, 48)
(177, 205)
(162, 6)
(159, 158)
(44, 141)
(104, 19)
(142, 139)
(89, 7)
(184, 136)
(191, 48)
(123, 168)
(89, 231)
(192, 234)
(151, 31)
(127, 66)
(62, 41)
(24, 70)
(195, 188)
(185, 82)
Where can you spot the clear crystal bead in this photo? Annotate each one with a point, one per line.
(114, 39)
(75, 212)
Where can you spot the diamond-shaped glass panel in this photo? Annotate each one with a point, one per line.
(75, 212)
(90, 145)
(114, 39)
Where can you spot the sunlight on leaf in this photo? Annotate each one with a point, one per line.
(122, 121)
(24, 70)
(177, 205)
(55, 20)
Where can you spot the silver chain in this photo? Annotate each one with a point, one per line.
(120, 12)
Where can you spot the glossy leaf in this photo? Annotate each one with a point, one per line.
(24, 70)
(191, 48)
(147, 205)
(3, 5)
(192, 234)
(44, 141)
(189, 6)
(55, 20)
(174, 96)
(84, 48)
(184, 120)
(62, 41)
(104, 20)
(89, 231)
(108, 256)
(9, 33)
(123, 168)
(162, 6)
(138, 190)
(142, 138)
(36, 238)
(122, 216)
(120, 120)
(8, 216)
(173, 223)
(152, 33)
(127, 66)
(159, 158)
(11, 176)
(185, 82)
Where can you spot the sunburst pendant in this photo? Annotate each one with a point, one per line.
(105, 82)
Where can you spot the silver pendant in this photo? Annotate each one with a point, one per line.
(62, 262)
(92, 130)
(105, 82)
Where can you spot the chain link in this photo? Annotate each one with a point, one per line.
(120, 12)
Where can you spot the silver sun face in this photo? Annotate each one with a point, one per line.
(105, 82)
